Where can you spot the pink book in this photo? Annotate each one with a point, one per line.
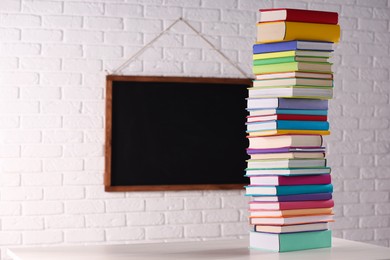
(290, 180)
(310, 204)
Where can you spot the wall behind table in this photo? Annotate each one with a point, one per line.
(53, 60)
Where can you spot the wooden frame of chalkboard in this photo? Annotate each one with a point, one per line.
(111, 80)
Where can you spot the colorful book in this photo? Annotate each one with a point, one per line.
(251, 151)
(287, 155)
(289, 212)
(289, 242)
(292, 92)
(253, 119)
(293, 66)
(290, 228)
(294, 74)
(277, 111)
(289, 31)
(287, 103)
(285, 141)
(293, 82)
(288, 190)
(280, 54)
(286, 171)
(287, 124)
(292, 45)
(289, 59)
(290, 180)
(286, 163)
(295, 220)
(298, 15)
(297, 197)
(310, 204)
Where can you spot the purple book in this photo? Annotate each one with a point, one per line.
(301, 103)
(297, 197)
(286, 150)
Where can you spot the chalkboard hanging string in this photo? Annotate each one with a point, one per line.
(135, 55)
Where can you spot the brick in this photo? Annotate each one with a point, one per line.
(164, 204)
(359, 134)
(382, 185)
(60, 107)
(94, 108)
(20, 20)
(205, 68)
(10, 238)
(62, 51)
(10, 180)
(40, 93)
(358, 185)
(63, 193)
(63, 164)
(42, 208)
(163, 67)
(376, 3)
(10, 6)
(290, 4)
(110, 52)
(82, 178)
(356, 11)
(10, 34)
(343, 148)
(125, 234)
(383, 233)
(42, 237)
(83, 122)
(104, 23)
(235, 202)
(238, 16)
(10, 208)
(202, 230)
(83, 36)
(62, 21)
(97, 192)
(20, 165)
(228, 29)
(105, 220)
(202, 14)
(374, 196)
(41, 122)
(254, 5)
(41, 179)
(94, 164)
(77, 65)
(162, 12)
(374, 173)
(20, 137)
(8, 63)
(127, 38)
(83, 8)
(325, 7)
(148, 218)
(22, 223)
(382, 209)
(374, 148)
(184, 217)
(374, 222)
(44, 64)
(381, 13)
(164, 232)
(42, 7)
(62, 136)
(203, 203)
(64, 221)
(373, 123)
(362, 234)
(9, 151)
(124, 10)
(369, 24)
(358, 160)
(234, 229)
(39, 35)
(9, 122)
(60, 78)
(84, 235)
(358, 210)
(125, 205)
(342, 223)
(84, 207)
(83, 93)
(221, 215)
(41, 151)
(147, 25)
(19, 107)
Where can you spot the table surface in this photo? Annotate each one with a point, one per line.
(217, 249)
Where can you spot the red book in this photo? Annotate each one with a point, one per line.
(298, 15)
(310, 204)
(290, 180)
(286, 117)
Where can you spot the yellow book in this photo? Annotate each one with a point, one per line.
(291, 212)
(281, 54)
(290, 31)
(284, 132)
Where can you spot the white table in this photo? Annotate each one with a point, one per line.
(220, 249)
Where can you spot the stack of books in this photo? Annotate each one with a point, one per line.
(290, 183)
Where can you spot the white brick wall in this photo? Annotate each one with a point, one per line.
(53, 57)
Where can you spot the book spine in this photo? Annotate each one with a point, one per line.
(274, 47)
(307, 240)
(302, 125)
(308, 16)
(300, 103)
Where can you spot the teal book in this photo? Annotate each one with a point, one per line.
(290, 241)
(288, 125)
(254, 190)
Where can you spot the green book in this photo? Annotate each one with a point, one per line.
(289, 59)
(290, 241)
(293, 66)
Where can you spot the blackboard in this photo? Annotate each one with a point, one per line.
(171, 133)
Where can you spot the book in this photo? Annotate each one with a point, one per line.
(287, 103)
(285, 141)
(287, 132)
(286, 163)
(290, 180)
(287, 124)
(289, 31)
(280, 54)
(292, 45)
(289, 59)
(293, 82)
(292, 92)
(252, 151)
(293, 66)
(288, 242)
(298, 15)
(287, 155)
(287, 205)
(289, 212)
(288, 190)
(291, 220)
(294, 74)
(253, 119)
(286, 171)
(290, 228)
(277, 111)
(297, 197)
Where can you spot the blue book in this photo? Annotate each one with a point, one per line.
(287, 125)
(292, 45)
(287, 190)
(287, 103)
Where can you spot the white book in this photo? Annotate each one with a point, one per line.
(285, 141)
(291, 220)
(290, 228)
(292, 91)
(290, 155)
(287, 171)
(286, 163)
(292, 82)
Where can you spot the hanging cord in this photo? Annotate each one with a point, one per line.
(135, 55)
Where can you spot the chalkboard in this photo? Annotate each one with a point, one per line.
(171, 133)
